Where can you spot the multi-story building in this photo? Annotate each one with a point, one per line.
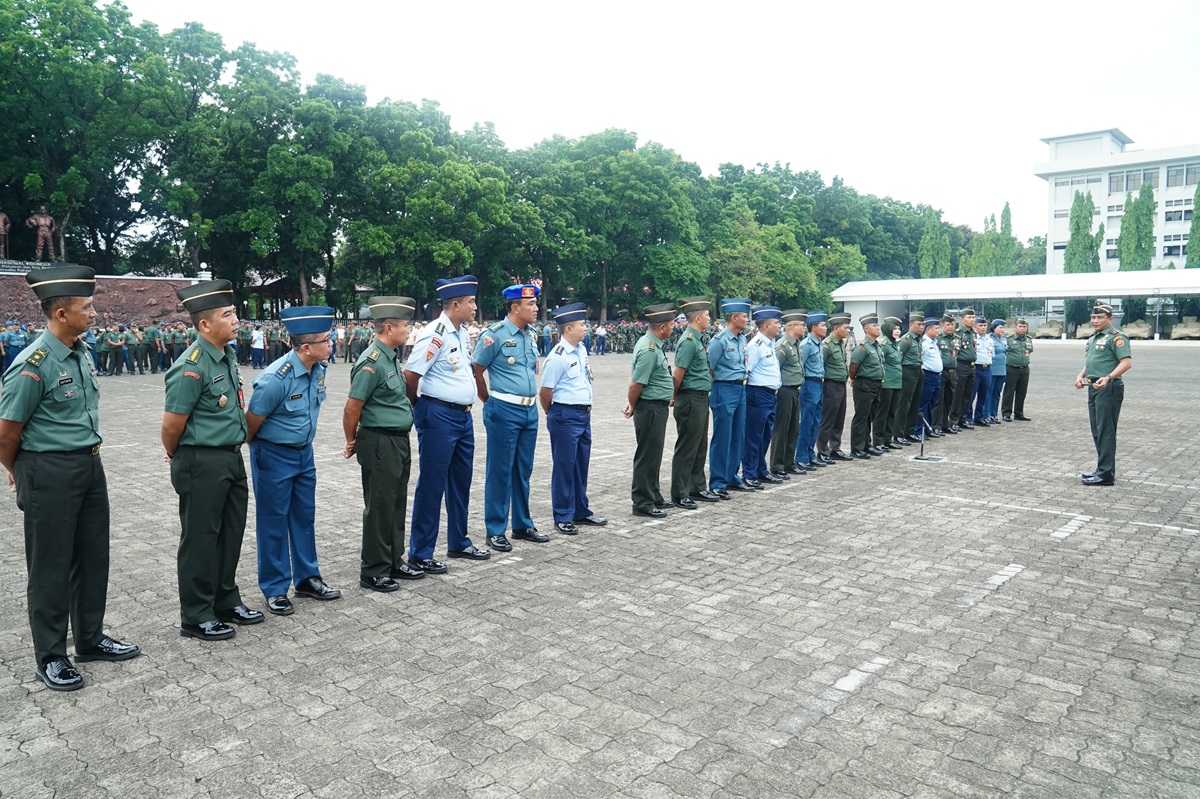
(1098, 162)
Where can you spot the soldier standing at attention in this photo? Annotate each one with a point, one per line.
(964, 386)
(507, 351)
(152, 346)
(650, 392)
(727, 360)
(116, 348)
(762, 389)
(245, 337)
(376, 423)
(16, 341)
(274, 343)
(1107, 357)
(912, 379)
(945, 422)
(833, 403)
(441, 388)
(984, 351)
(866, 379)
(932, 365)
(811, 392)
(566, 397)
(891, 390)
(50, 430)
(203, 429)
(1020, 347)
(693, 382)
(787, 413)
(281, 423)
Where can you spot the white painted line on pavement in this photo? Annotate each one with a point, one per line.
(475, 570)
(1071, 526)
(815, 707)
(995, 581)
(653, 523)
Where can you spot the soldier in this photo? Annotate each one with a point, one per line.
(983, 375)
(507, 351)
(762, 389)
(281, 423)
(136, 341)
(179, 340)
(964, 386)
(866, 380)
(151, 340)
(932, 365)
(833, 401)
(811, 392)
(912, 379)
(102, 348)
(566, 397)
(203, 429)
(650, 392)
(727, 360)
(376, 423)
(948, 347)
(999, 369)
(5, 224)
(16, 341)
(245, 338)
(1107, 357)
(886, 432)
(50, 444)
(441, 389)
(784, 438)
(693, 382)
(258, 346)
(116, 349)
(1020, 347)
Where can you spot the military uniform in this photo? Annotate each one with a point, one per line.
(762, 389)
(727, 360)
(691, 412)
(867, 381)
(812, 394)
(947, 346)
(886, 428)
(912, 380)
(116, 350)
(15, 341)
(833, 410)
(964, 385)
(932, 366)
(1104, 351)
(650, 413)
(1020, 348)
(787, 408)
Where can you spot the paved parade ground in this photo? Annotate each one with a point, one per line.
(978, 627)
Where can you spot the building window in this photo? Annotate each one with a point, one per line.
(1116, 182)
(1173, 216)
(1135, 178)
(1111, 242)
(1060, 182)
(1094, 178)
(1174, 176)
(1061, 214)
(1187, 215)
(1116, 209)
(1110, 254)
(1193, 174)
(1060, 245)
(1173, 249)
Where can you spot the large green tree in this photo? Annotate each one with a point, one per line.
(1082, 254)
(1135, 242)
(933, 252)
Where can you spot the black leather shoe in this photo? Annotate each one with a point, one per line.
(770, 477)
(315, 588)
(722, 493)
(59, 675)
(1098, 480)
(566, 528)
(384, 585)
(755, 484)
(816, 463)
(280, 605)
(862, 454)
(937, 434)
(967, 426)
(429, 565)
(891, 445)
(240, 615)
(592, 521)
(407, 572)
(531, 534)
(685, 503)
(211, 630)
(109, 649)
(840, 456)
(705, 496)
(983, 423)
(1086, 475)
(499, 543)
(745, 487)
(653, 511)
(783, 474)
(797, 468)
(662, 505)
(1008, 417)
(470, 553)
(953, 430)
(876, 451)
(906, 441)
(1021, 418)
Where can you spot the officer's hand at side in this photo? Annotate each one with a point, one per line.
(1079, 382)
(627, 411)
(348, 450)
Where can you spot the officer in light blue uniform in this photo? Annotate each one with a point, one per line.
(727, 360)
(281, 421)
(441, 387)
(16, 340)
(762, 390)
(507, 352)
(811, 392)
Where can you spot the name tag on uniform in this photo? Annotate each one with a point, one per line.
(510, 343)
(218, 378)
(296, 396)
(66, 381)
(390, 375)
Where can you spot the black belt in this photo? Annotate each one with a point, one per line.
(584, 408)
(911, 365)
(395, 432)
(765, 388)
(456, 406)
(289, 446)
(695, 392)
(965, 363)
(226, 448)
(791, 388)
(930, 371)
(1088, 380)
(734, 382)
(815, 379)
(1010, 366)
(93, 450)
(653, 402)
(872, 379)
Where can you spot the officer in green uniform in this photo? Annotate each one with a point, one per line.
(912, 379)
(102, 348)
(787, 409)
(833, 400)
(50, 443)
(151, 338)
(866, 381)
(137, 352)
(179, 341)
(1108, 356)
(650, 392)
(1020, 347)
(274, 347)
(376, 424)
(245, 334)
(892, 388)
(945, 421)
(964, 386)
(693, 382)
(116, 348)
(203, 429)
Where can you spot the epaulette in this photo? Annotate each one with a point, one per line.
(691, 334)
(441, 327)
(651, 345)
(36, 357)
(194, 355)
(494, 325)
(373, 355)
(558, 350)
(283, 370)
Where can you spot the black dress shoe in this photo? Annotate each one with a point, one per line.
(1008, 417)
(662, 505)
(531, 534)
(429, 565)
(755, 484)
(499, 543)
(966, 426)
(280, 605)
(862, 454)
(744, 487)
(685, 503)
(722, 493)
(59, 675)
(653, 511)
(566, 528)
(109, 649)
(893, 445)
(770, 477)
(1086, 475)
(983, 423)
(471, 553)
(937, 434)
(315, 588)
(840, 456)
(797, 468)
(902, 441)
(705, 496)
(1098, 480)
(406, 572)
(953, 430)
(1021, 418)
(782, 475)
(240, 615)
(211, 630)
(592, 521)
(384, 585)
(816, 463)
(876, 451)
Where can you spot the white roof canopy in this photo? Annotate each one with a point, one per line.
(1164, 282)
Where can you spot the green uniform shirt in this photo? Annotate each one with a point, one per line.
(152, 337)
(179, 336)
(692, 357)
(910, 349)
(273, 334)
(949, 349)
(893, 371)
(834, 353)
(204, 384)
(377, 380)
(791, 363)
(651, 370)
(131, 337)
(190, 335)
(964, 344)
(869, 357)
(1104, 350)
(1019, 349)
(114, 338)
(54, 392)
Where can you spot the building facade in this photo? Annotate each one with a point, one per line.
(1097, 162)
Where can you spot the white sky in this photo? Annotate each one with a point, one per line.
(938, 103)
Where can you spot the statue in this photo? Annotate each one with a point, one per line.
(4, 226)
(45, 229)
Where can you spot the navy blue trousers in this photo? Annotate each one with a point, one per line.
(446, 449)
(285, 494)
(760, 420)
(930, 398)
(571, 450)
(812, 397)
(728, 403)
(511, 440)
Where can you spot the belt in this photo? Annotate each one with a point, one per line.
(226, 448)
(871, 379)
(765, 388)
(93, 450)
(1088, 380)
(584, 408)
(983, 366)
(965, 363)
(911, 365)
(695, 392)
(930, 371)
(1010, 366)
(734, 382)
(395, 432)
(514, 399)
(456, 406)
(279, 444)
(791, 388)
(653, 402)
(815, 378)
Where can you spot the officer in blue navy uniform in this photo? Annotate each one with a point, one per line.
(727, 360)
(811, 392)
(441, 387)
(281, 422)
(762, 389)
(566, 397)
(507, 352)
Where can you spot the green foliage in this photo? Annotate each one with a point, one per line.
(1083, 247)
(1193, 254)
(1134, 308)
(1135, 243)
(933, 253)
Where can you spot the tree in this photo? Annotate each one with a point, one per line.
(1193, 255)
(933, 253)
(1135, 242)
(1083, 251)
(1007, 245)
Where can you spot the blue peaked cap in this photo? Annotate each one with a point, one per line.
(449, 288)
(304, 319)
(735, 305)
(575, 312)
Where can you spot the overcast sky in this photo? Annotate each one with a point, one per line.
(937, 103)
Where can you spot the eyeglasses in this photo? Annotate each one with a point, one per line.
(325, 340)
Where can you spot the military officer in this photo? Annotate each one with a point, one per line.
(1108, 356)
(441, 389)
(566, 397)
(274, 341)
(866, 380)
(964, 385)
(833, 402)
(948, 347)
(244, 339)
(932, 365)
(153, 346)
(116, 348)
(886, 430)
(787, 412)
(811, 392)
(912, 379)
(727, 360)
(203, 429)
(376, 423)
(15, 341)
(281, 423)
(50, 430)
(1020, 347)
(984, 352)
(693, 382)
(507, 352)
(762, 387)
(650, 392)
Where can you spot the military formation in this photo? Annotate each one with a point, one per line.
(761, 398)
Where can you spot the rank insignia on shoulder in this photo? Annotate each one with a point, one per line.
(441, 328)
(36, 358)
(283, 370)
(373, 355)
(558, 350)
(691, 334)
(194, 355)
(652, 346)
